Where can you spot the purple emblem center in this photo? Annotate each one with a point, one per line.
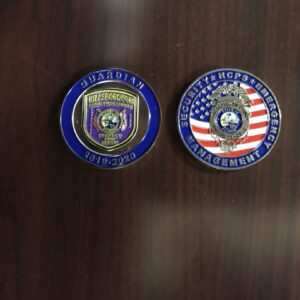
(110, 117)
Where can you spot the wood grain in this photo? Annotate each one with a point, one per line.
(167, 227)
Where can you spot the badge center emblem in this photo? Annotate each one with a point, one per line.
(110, 117)
(229, 118)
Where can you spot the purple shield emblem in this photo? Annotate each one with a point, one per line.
(110, 117)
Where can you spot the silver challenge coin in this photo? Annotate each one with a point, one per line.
(110, 118)
(229, 119)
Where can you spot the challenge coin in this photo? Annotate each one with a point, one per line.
(229, 119)
(110, 118)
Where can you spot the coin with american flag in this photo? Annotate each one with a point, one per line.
(229, 119)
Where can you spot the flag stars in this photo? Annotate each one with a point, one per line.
(202, 117)
(203, 100)
(202, 108)
(207, 113)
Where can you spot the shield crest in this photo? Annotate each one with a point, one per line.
(110, 117)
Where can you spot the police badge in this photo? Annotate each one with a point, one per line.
(110, 118)
(229, 119)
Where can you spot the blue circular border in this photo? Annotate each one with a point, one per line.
(105, 161)
(197, 150)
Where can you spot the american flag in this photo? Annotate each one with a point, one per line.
(258, 123)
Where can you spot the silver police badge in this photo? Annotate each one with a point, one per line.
(229, 119)
(110, 118)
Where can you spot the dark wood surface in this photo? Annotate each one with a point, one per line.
(167, 227)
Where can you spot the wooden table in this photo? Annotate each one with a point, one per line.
(166, 228)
